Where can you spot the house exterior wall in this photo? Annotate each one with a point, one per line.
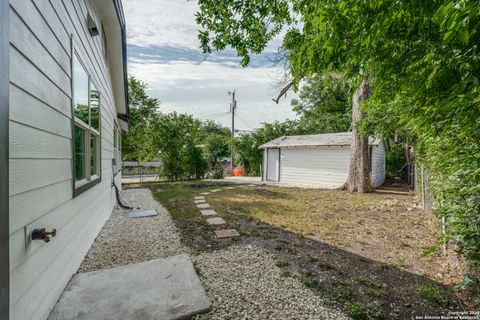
(40, 145)
(377, 174)
(4, 161)
(321, 166)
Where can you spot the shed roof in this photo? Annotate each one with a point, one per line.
(324, 139)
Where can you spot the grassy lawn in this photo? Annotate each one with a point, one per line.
(373, 255)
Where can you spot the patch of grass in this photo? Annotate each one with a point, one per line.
(310, 283)
(429, 250)
(312, 259)
(282, 264)
(197, 268)
(326, 265)
(359, 311)
(368, 281)
(402, 263)
(286, 274)
(433, 294)
(375, 293)
(283, 245)
(342, 290)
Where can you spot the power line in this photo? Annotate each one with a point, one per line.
(243, 121)
(214, 116)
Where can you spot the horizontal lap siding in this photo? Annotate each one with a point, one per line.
(378, 165)
(320, 166)
(40, 150)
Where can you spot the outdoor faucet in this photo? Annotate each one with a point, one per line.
(41, 234)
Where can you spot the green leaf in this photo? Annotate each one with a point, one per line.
(462, 35)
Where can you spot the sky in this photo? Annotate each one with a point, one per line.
(163, 51)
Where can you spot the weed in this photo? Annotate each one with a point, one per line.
(326, 265)
(357, 310)
(429, 251)
(310, 283)
(342, 291)
(368, 281)
(360, 311)
(197, 268)
(432, 294)
(312, 259)
(286, 274)
(282, 264)
(402, 263)
(375, 293)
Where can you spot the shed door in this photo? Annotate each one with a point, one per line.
(273, 164)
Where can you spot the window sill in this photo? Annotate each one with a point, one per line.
(84, 185)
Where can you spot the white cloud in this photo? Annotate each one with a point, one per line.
(202, 89)
(161, 23)
(157, 26)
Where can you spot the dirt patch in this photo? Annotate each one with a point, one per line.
(373, 255)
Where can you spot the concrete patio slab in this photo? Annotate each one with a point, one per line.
(227, 233)
(140, 213)
(158, 289)
(208, 212)
(200, 201)
(203, 206)
(199, 198)
(215, 221)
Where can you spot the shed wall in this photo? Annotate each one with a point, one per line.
(40, 175)
(377, 175)
(320, 166)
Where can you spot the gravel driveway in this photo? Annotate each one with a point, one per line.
(242, 282)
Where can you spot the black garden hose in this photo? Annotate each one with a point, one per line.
(119, 199)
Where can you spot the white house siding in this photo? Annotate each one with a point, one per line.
(320, 166)
(41, 152)
(264, 165)
(378, 165)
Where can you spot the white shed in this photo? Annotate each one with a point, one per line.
(320, 160)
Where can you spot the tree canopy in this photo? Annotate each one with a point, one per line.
(184, 145)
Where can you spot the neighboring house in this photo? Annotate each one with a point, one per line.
(63, 104)
(317, 160)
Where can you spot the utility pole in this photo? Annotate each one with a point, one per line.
(233, 106)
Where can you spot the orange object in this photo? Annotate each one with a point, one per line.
(238, 172)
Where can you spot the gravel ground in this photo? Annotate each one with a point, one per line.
(242, 282)
(124, 241)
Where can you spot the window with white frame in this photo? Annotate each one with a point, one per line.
(86, 122)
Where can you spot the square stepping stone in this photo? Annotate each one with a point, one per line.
(200, 201)
(226, 233)
(203, 206)
(199, 198)
(208, 212)
(166, 288)
(215, 190)
(230, 188)
(215, 221)
(205, 193)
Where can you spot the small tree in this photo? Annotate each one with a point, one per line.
(137, 142)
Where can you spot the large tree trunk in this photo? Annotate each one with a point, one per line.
(358, 176)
